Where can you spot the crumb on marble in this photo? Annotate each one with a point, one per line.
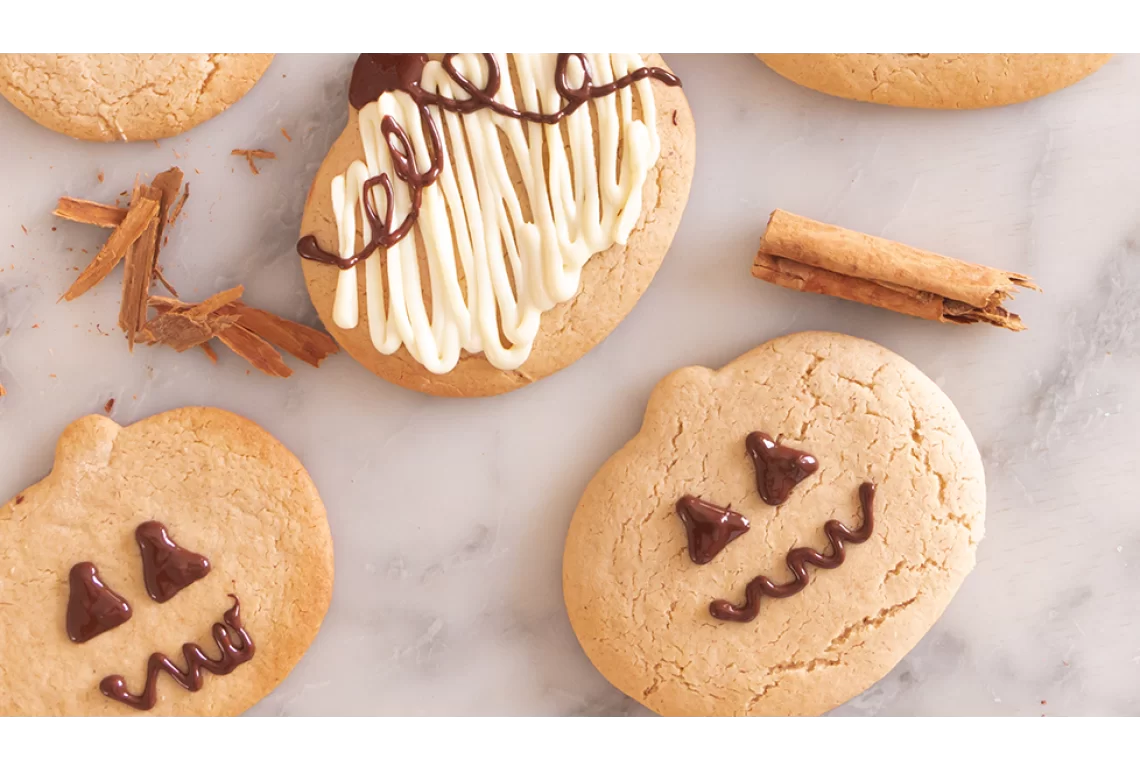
(251, 154)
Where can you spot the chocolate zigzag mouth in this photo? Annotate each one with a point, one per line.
(797, 561)
(232, 655)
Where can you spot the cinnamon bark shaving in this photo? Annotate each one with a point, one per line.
(89, 212)
(247, 331)
(298, 340)
(167, 183)
(178, 206)
(180, 331)
(139, 232)
(254, 349)
(801, 254)
(182, 325)
(138, 218)
(131, 225)
(251, 154)
(215, 303)
(162, 279)
(138, 269)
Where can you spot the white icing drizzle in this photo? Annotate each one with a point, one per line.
(579, 201)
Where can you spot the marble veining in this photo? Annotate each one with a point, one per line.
(449, 516)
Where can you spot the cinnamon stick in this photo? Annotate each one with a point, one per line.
(805, 255)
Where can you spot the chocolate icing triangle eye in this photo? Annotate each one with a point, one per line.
(709, 527)
(167, 566)
(92, 607)
(778, 468)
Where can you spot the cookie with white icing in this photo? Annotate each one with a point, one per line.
(961, 81)
(527, 247)
(178, 566)
(114, 97)
(687, 575)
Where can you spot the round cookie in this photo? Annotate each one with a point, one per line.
(642, 607)
(611, 281)
(127, 97)
(936, 81)
(84, 541)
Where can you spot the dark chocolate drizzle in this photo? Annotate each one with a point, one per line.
(234, 650)
(92, 607)
(709, 527)
(167, 566)
(778, 468)
(797, 560)
(378, 73)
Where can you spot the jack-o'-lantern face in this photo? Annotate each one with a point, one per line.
(710, 527)
(121, 571)
(94, 608)
(665, 618)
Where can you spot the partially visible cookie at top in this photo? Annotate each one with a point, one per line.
(178, 566)
(936, 81)
(778, 535)
(545, 191)
(127, 97)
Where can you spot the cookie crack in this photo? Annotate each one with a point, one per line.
(870, 621)
(905, 565)
(833, 656)
(784, 668)
(212, 61)
(113, 108)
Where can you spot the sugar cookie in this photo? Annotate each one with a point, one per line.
(936, 81)
(543, 197)
(127, 97)
(188, 549)
(695, 596)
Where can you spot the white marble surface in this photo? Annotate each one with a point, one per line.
(449, 516)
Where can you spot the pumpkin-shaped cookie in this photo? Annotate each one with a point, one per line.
(178, 566)
(778, 535)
